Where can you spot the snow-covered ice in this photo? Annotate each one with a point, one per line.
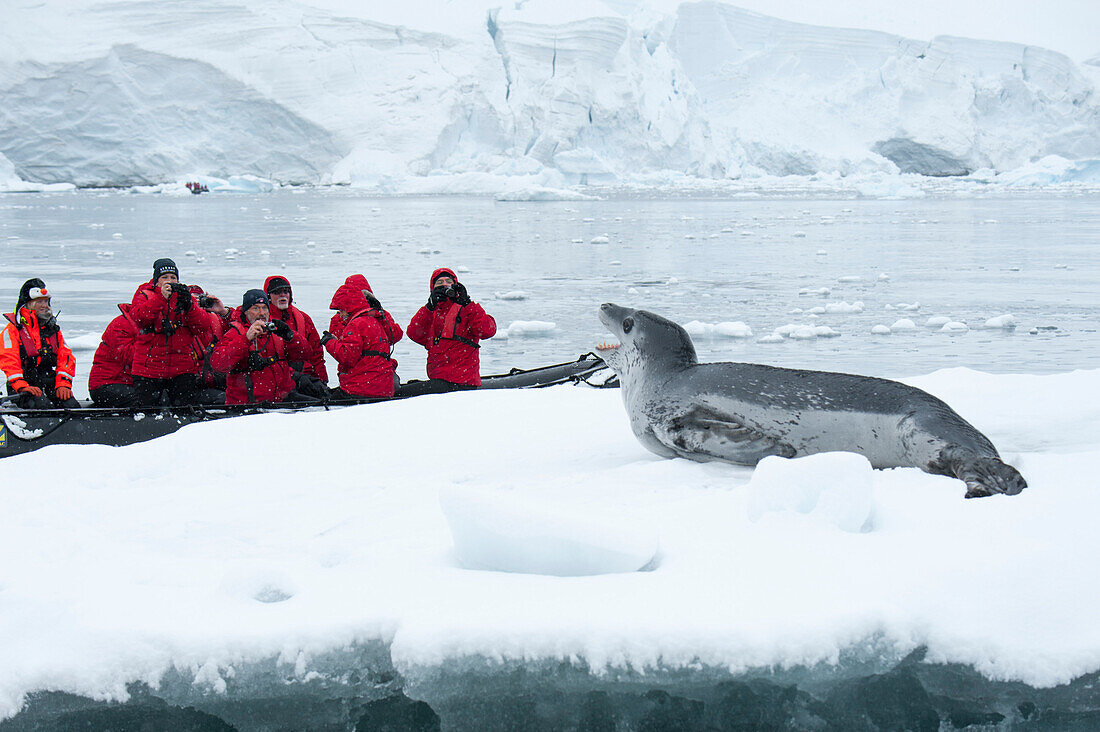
(304, 559)
(524, 102)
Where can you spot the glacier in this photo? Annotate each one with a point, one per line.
(531, 97)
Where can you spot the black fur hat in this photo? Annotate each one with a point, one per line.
(25, 294)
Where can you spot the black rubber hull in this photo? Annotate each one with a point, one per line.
(24, 431)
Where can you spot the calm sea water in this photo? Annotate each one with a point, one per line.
(747, 259)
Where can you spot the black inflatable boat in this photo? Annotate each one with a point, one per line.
(25, 430)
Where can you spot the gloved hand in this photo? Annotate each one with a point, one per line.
(32, 390)
(183, 297)
(461, 296)
(283, 330)
(326, 337)
(63, 393)
(256, 362)
(439, 294)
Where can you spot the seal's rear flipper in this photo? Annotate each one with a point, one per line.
(707, 433)
(985, 476)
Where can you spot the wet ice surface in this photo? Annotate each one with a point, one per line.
(966, 260)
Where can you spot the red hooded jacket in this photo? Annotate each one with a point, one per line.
(269, 383)
(451, 333)
(165, 345)
(363, 346)
(112, 360)
(303, 325)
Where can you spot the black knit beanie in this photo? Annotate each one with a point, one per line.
(163, 267)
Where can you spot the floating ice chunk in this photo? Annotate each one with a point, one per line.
(908, 306)
(512, 295)
(850, 278)
(116, 235)
(799, 332)
(772, 338)
(954, 326)
(614, 263)
(105, 254)
(881, 330)
(844, 307)
(834, 487)
(734, 329)
(1061, 266)
(521, 328)
(819, 310)
(822, 253)
(265, 253)
(673, 281)
(462, 269)
(232, 252)
(632, 291)
(600, 240)
(799, 235)
(746, 233)
(903, 324)
(1005, 321)
(823, 291)
(883, 277)
(937, 321)
(425, 250)
(689, 236)
(505, 532)
(578, 241)
(796, 311)
(190, 253)
(311, 244)
(824, 331)
(727, 230)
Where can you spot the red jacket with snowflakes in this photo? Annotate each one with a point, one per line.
(269, 371)
(302, 324)
(166, 342)
(115, 354)
(451, 333)
(362, 348)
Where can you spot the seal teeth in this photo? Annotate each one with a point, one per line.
(606, 346)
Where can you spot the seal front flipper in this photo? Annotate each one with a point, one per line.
(702, 433)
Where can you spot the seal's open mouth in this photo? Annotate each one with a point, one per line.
(607, 346)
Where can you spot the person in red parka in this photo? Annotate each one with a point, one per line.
(364, 345)
(256, 357)
(310, 374)
(109, 381)
(450, 326)
(168, 318)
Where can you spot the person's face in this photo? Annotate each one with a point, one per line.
(169, 277)
(256, 312)
(40, 305)
(280, 298)
(444, 281)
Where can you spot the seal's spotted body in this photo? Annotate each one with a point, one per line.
(741, 413)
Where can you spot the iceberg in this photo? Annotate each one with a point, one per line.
(408, 102)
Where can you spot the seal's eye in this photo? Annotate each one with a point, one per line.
(628, 325)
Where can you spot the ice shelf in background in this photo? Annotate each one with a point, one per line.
(522, 102)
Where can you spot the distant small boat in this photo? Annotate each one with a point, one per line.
(196, 188)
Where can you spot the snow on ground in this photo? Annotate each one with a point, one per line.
(117, 564)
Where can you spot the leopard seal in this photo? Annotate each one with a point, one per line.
(742, 412)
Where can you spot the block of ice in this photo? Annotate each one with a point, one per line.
(835, 487)
(506, 532)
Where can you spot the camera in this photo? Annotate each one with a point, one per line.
(450, 292)
(207, 301)
(271, 327)
(180, 289)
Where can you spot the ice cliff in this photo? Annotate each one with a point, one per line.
(146, 91)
